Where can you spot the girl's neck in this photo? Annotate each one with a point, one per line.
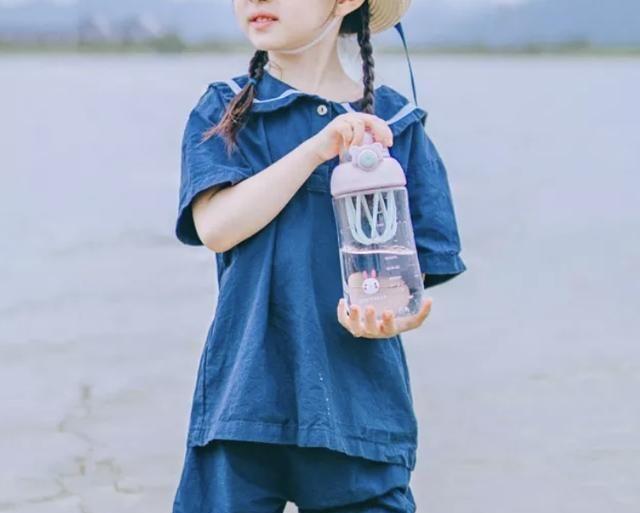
(317, 71)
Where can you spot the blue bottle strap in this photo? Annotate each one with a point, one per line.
(398, 27)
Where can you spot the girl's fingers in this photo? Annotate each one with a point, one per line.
(370, 324)
(364, 324)
(352, 126)
(424, 310)
(342, 313)
(389, 327)
(410, 323)
(381, 131)
(358, 130)
(355, 325)
(346, 131)
(343, 317)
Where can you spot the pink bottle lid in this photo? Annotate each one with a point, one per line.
(369, 166)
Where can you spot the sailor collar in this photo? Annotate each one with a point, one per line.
(273, 94)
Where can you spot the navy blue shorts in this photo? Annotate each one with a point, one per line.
(229, 476)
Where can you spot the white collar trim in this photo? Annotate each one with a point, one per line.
(404, 111)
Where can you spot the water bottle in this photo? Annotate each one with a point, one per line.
(378, 258)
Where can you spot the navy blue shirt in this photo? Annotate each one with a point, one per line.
(277, 366)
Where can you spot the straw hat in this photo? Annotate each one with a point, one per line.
(386, 13)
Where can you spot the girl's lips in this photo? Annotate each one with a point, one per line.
(261, 22)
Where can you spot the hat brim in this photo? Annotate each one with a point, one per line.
(386, 13)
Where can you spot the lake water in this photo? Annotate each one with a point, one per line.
(525, 377)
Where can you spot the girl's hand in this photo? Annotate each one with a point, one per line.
(368, 327)
(347, 129)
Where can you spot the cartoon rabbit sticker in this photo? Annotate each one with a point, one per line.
(369, 288)
(370, 285)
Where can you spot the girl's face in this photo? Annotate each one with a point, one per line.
(284, 23)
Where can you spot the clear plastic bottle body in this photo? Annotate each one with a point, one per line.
(378, 259)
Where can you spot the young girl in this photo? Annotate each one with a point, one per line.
(296, 400)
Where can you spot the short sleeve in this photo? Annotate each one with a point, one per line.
(432, 211)
(204, 164)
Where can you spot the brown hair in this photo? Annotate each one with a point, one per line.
(237, 112)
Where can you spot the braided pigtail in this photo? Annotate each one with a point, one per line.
(366, 52)
(357, 22)
(237, 111)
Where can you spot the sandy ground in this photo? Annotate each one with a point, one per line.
(526, 375)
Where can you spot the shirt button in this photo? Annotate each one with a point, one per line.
(322, 109)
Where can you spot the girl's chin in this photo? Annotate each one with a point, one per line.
(268, 43)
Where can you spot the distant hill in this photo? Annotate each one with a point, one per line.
(194, 20)
(599, 23)
(430, 23)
